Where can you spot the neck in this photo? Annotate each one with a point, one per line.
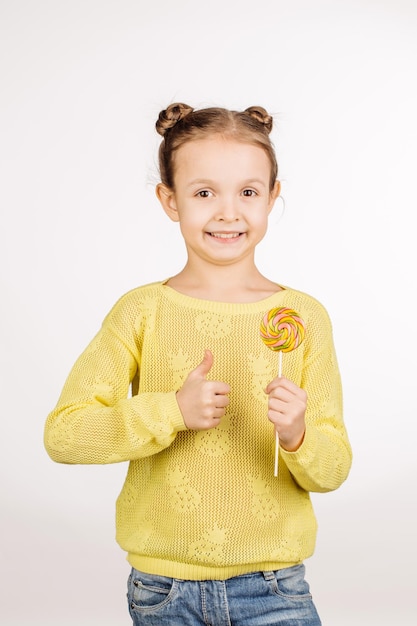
(223, 284)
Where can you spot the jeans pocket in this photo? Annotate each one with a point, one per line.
(147, 592)
(290, 583)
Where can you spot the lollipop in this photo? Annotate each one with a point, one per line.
(282, 330)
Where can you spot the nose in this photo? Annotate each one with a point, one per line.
(228, 210)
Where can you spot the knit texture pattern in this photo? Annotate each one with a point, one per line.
(204, 505)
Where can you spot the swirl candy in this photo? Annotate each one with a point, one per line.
(282, 329)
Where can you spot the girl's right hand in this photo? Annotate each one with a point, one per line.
(202, 402)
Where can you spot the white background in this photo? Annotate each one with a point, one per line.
(81, 85)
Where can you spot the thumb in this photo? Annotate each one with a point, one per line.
(205, 365)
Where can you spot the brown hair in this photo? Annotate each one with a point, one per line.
(180, 123)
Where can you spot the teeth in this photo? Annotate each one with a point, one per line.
(225, 235)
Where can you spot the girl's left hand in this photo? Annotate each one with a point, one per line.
(287, 405)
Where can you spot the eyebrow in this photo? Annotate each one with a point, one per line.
(245, 183)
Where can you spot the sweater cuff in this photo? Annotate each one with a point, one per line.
(306, 453)
(173, 410)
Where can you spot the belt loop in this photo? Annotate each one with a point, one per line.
(268, 575)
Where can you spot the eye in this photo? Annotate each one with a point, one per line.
(204, 193)
(249, 193)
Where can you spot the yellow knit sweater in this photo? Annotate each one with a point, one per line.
(204, 505)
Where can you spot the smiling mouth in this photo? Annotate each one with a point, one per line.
(225, 235)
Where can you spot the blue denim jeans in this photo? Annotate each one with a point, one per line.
(280, 598)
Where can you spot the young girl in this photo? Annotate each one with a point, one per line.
(212, 535)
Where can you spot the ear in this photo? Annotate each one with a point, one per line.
(274, 194)
(166, 197)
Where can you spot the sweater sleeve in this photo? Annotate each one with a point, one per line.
(95, 421)
(323, 461)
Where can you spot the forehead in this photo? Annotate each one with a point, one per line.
(216, 156)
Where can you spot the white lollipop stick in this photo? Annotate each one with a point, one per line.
(276, 434)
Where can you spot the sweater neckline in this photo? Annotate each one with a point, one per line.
(223, 307)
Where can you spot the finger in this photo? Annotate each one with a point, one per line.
(220, 389)
(276, 406)
(281, 394)
(281, 383)
(205, 366)
(221, 401)
(274, 384)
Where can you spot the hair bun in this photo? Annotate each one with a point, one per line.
(171, 115)
(262, 116)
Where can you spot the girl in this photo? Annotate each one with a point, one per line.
(212, 536)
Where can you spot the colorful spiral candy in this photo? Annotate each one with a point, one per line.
(282, 329)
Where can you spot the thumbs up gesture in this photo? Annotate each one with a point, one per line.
(202, 402)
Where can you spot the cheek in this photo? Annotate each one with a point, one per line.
(261, 228)
(261, 221)
(191, 221)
